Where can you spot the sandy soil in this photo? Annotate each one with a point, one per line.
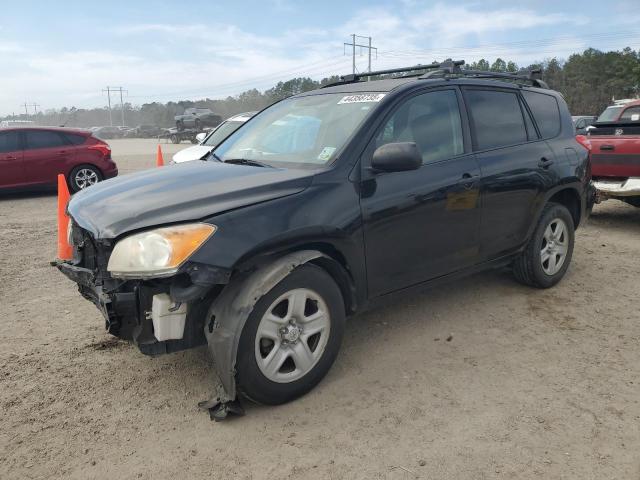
(532, 384)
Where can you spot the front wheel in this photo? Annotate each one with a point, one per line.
(291, 337)
(547, 256)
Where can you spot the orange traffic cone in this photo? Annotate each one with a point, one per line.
(159, 159)
(65, 251)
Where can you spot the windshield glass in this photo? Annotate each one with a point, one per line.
(303, 132)
(220, 133)
(610, 114)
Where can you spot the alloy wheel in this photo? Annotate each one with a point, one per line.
(555, 244)
(85, 178)
(292, 335)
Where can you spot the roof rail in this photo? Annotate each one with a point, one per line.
(414, 71)
(530, 76)
(447, 69)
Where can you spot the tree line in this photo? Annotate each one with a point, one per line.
(589, 81)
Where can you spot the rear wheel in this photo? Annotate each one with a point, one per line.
(175, 138)
(291, 337)
(547, 256)
(83, 176)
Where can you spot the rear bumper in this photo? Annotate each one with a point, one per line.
(629, 187)
(111, 172)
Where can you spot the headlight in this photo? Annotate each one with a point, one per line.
(159, 252)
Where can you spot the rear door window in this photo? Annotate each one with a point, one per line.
(496, 118)
(44, 139)
(9, 142)
(545, 112)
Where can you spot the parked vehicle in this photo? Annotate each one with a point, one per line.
(145, 131)
(197, 118)
(325, 204)
(34, 156)
(107, 133)
(615, 159)
(212, 139)
(582, 123)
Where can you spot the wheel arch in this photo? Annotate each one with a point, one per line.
(230, 310)
(570, 198)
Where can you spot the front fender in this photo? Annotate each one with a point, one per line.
(231, 309)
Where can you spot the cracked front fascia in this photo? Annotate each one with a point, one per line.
(233, 306)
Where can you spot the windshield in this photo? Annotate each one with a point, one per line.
(219, 134)
(304, 132)
(610, 114)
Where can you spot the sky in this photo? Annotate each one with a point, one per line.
(64, 53)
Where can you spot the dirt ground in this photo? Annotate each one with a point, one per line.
(480, 379)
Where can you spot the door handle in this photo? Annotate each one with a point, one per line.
(468, 180)
(607, 147)
(545, 163)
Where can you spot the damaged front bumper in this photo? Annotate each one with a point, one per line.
(128, 309)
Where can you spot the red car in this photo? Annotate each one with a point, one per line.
(33, 157)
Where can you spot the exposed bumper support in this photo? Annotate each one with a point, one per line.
(617, 188)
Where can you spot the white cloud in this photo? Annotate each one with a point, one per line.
(226, 59)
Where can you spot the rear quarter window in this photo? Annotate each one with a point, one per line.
(546, 112)
(75, 139)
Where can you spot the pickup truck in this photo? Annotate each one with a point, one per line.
(197, 118)
(615, 153)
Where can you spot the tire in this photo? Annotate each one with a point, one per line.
(83, 176)
(530, 268)
(175, 139)
(290, 381)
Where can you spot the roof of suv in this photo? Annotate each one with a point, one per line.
(433, 74)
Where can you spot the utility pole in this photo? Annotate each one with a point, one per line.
(353, 46)
(27, 105)
(110, 90)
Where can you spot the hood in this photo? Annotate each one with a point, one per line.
(178, 193)
(192, 153)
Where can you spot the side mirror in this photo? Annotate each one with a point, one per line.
(200, 137)
(397, 157)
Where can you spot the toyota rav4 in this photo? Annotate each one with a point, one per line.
(323, 205)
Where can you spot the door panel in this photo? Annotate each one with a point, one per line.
(46, 155)
(515, 164)
(513, 179)
(11, 160)
(424, 223)
(421, 224)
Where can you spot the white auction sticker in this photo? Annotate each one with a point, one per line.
(362, 98)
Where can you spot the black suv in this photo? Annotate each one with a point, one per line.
(325, 204)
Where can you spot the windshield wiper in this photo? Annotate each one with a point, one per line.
(244, 161)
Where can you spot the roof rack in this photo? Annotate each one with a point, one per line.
(447, 69)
